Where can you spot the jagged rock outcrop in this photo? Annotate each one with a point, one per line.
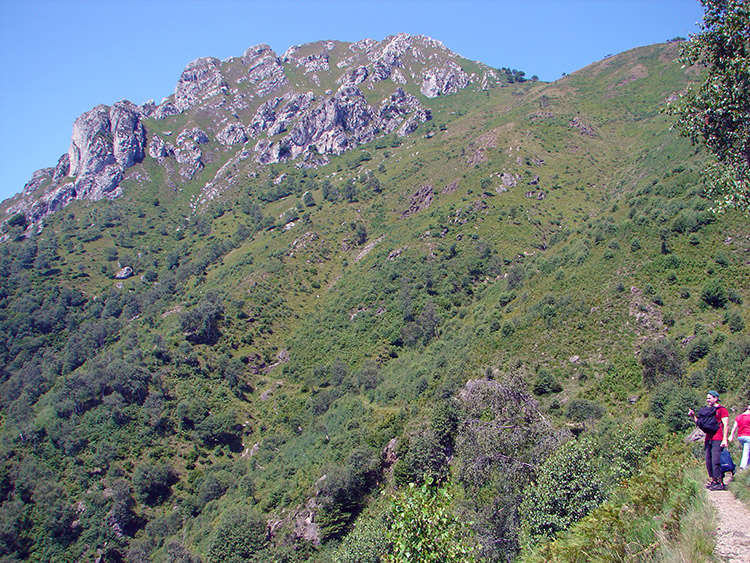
(340, 122)
(232, 134)
(104, 142)
(264, 71)
(201, 79)
(445, 79)
(188, 152)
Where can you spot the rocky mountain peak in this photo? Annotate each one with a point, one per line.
(250, 102)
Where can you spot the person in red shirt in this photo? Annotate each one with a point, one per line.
(742, 429)
(715, 441)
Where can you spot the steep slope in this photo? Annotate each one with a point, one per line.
(306, 290)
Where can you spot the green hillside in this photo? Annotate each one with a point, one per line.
(534, 272)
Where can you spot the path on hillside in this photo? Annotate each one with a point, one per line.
(733, 531)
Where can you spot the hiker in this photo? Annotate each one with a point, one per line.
(742, 429)
(713, 419)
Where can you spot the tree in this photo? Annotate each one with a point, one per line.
(350, 191)
(200, 324)
(716, 113)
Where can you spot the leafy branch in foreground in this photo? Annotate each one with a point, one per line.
(423, 527)
(717, 114)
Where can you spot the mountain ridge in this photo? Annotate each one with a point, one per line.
(108, 141)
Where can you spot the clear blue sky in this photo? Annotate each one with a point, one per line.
(60, 58)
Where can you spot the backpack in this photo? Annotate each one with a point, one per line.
(707, 420)
(727, 463)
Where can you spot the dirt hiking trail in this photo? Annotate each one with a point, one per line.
(733, 531)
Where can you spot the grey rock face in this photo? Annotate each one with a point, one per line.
(335, 125)
(446, 79)
(105, 141)
(264, 69)
(63, 167)
(315, 62)
(51, 202)
(188, 153)
(200, 80)
(158, 149)
(129, 135)
(38, 178)
(232, 134)
(90, 146)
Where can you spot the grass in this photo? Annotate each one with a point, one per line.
(740, 485)
(696, 538)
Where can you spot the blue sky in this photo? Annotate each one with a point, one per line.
(60, 58)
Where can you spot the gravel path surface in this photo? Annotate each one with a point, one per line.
(733, 533)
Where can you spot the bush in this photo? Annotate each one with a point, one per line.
(240, 533)
(699, 348)
(734, 320)
(425, 458)
(423, 529)
(652, 503)
(152, 482)
(670, 403)
(661, 361)
(342, 490)
(219, 429)
(714, 294)
(581, 410)
(545, 383)
(365, 544)
(502, 436)
(567, 488)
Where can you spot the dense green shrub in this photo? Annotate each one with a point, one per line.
(240, 533)
(343, 488)
(661, 360)
(423, 528)
(424, 458)
(366, 543)
(566, 488)
(734, 320)
(714, 293)
(670, 403)
(651, 502)
(545, 383)
(698, 348)
(201, 323)
(581, 410)
(152, 482)
(219, 428)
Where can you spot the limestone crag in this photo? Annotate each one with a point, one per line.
(201, 80)
(104, 142)
(265, 71)
(338, 123)
(444, 79)
(233, 110)
(188, 152)
(232, 134)
(314, 62)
